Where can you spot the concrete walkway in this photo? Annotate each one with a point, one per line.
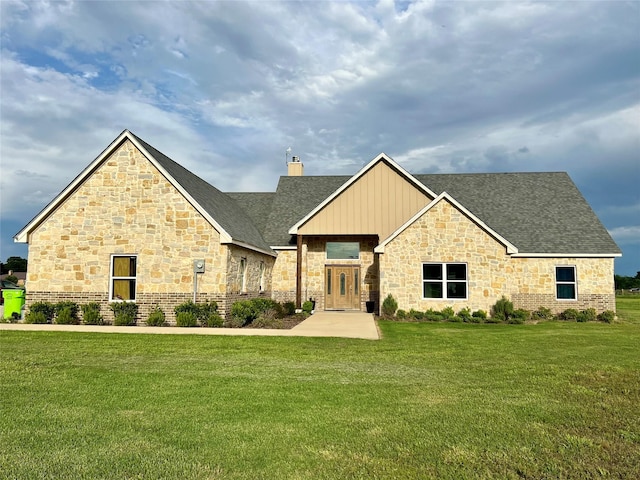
(320, 324)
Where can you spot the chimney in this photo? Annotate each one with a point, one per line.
(295, 167)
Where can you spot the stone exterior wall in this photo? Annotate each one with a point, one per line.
(128, 207)
(283, 278)
(444, 234)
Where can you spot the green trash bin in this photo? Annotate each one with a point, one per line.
(13, 302)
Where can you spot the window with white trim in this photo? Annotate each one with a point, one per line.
(123, 277)
(566, 284)
(444, 280)
(262, 270)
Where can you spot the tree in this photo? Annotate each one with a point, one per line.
(17, 264)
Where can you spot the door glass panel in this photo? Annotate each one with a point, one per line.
(328, 281)
(355, 281)
(343, 284)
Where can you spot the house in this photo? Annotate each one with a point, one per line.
(137, 226)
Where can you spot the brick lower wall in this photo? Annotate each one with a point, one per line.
(600, 302)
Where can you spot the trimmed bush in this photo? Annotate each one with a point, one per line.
(389, 306)
(36, 317)
(502, 309)
(465, 315)
(186, 319)
(570, 315)
(268, 319)
(608, 316)
(243, 313)
(479, 316)
(401, 314)
(416, 315)
(40, 312)
(307, 306)
(91, 314)
(187, 306)
(66, 313)
(289, 308)
(209, 316)
(433, 315)
(588, 315)
(543, 313)
(156, 317)
(447, 313)
(519, 316)
(124, 313)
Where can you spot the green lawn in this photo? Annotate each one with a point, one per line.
(628, 307)
(553, 400)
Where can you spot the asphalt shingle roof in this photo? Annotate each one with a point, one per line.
(222, 208)
(536, 212)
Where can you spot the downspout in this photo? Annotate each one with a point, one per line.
(299, 272)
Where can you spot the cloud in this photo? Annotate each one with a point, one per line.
(628, 235)
(225, 87)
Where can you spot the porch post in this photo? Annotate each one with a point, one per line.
(299, 272)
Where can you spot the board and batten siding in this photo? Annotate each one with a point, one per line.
(376, 204)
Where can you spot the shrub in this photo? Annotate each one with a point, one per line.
(401, 314)
(389, 306)
(455, 319)
(289, 308)
(124, 313)
(588, 315)
(209, 316)
(188, 307)
(268, 319)
(307, 306)
(65, 317)
(36, 317)
(186, 319)
(519, 316)
(12, 279)
(570, 315)
(416, 315)
(478, 316)
(447, 313)
(465, 315)
(608, 316)
(156, 318)
(40, 311)
(234, 322)
(66, 313)
(543, 313)
(433, 315)
(243, 313)
(91, 314)
(502, 309)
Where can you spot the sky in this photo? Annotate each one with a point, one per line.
(224, 88)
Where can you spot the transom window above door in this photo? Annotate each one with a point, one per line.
(343, 250)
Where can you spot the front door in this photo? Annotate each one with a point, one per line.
(342, 287)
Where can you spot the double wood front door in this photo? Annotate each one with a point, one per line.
(342, 287)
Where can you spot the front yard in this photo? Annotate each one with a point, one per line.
(429, 400)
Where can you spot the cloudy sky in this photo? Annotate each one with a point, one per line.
(225, 87)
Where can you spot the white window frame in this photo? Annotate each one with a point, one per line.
(559, 282)
(444, 281)
(112, 277)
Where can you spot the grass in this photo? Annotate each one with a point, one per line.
(553, 400)
(628, 307)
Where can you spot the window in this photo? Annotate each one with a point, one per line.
(566, 283)
(444, 280)
(262, 276)
(343, 250)
(123, 277)
(243, 274)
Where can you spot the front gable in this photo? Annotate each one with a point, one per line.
(375, 201)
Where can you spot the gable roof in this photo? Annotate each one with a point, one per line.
(380, 158)
(511, 249)
(226, 216)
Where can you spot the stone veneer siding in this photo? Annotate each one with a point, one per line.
(444, 234)
(127, 207)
